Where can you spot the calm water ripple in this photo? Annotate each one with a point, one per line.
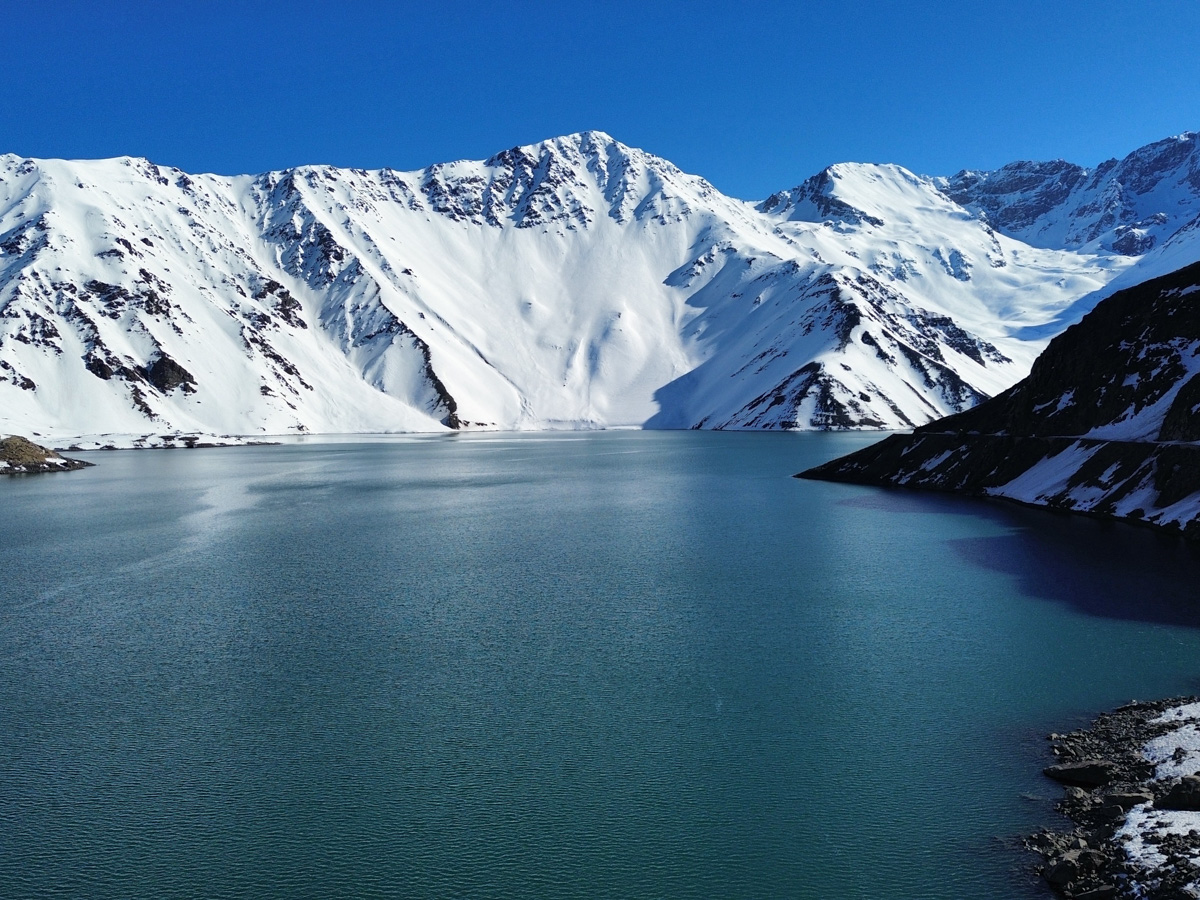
(613, 665)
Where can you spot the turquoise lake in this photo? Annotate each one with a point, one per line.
(620, 664)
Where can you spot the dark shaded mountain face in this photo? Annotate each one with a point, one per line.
(1019, 195)
(1129, 370)
(1108, 421)
(1121, 205)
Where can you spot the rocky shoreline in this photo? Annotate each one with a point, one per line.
(1132, 789)
(169, 441)
(1149, 483)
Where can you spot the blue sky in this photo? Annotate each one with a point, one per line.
(755, 96)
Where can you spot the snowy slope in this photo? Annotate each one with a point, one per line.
(891, 306)
(572, 283)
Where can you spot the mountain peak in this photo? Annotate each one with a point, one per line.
(586, 148)
(851, 193)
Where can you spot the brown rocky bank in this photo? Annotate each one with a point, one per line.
(21, 456)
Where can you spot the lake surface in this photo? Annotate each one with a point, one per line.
(623, 664)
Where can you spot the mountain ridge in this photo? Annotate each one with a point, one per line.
(1117, 203)
(575, 282)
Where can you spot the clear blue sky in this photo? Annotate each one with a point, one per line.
(753, 95)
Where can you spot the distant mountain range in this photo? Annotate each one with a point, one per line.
(574, 283)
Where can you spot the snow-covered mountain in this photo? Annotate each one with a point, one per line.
(573, 283)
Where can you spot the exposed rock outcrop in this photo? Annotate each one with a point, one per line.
(21, 456)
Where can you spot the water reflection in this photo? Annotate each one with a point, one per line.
(1101, 568)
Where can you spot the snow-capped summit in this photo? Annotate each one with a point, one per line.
(563, 182)
(861, 194)
(818, 199)
(575, 282)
